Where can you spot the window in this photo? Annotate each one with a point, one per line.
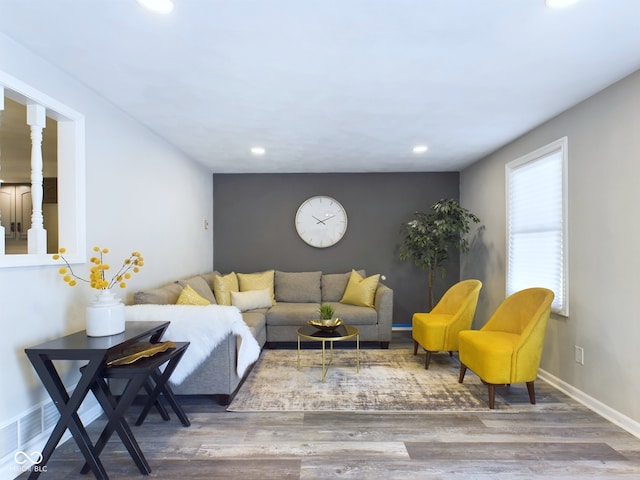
(537, 223)
(69, 212)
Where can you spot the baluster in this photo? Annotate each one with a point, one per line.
(37, 235)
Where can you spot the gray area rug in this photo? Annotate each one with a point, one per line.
(391, 380)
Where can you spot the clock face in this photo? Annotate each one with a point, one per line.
(321, 221)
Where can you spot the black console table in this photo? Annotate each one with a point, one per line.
(95, 350)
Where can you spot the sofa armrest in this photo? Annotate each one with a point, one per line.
(383, 304)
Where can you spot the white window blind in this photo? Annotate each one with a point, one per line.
(537, 223)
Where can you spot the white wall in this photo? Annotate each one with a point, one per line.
(142, 194)
(604, 230)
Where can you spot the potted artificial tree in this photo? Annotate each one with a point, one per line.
(428, 238)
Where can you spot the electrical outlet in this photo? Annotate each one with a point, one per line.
(579, 355)
(206, 224)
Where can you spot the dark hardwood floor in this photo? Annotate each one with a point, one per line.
(567, 442)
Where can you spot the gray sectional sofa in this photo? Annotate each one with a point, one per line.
(295, 299)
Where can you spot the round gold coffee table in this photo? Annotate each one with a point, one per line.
(343, 332)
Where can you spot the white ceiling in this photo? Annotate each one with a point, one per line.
(335, 85)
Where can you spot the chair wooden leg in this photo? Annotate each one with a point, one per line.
(532, 393)
(492, 395)
(415, 347)
(450, 353)
(427, 360)
(463, 370)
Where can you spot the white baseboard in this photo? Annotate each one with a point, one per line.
(597, 406)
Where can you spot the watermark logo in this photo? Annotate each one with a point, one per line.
(29, 462)
(23, 457)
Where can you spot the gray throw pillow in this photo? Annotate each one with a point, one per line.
(297, 287)
(201, 287)
(209, 277)
(166, 295)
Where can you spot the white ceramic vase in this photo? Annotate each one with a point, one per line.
(105, 315)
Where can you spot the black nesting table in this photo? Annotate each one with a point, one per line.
(94, 350)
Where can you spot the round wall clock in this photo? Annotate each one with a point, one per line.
(321, 221)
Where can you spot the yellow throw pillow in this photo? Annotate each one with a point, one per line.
(223, 285)
(360, 291)
(257, 281)
(189, 296)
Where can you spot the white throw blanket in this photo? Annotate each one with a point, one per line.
(205, 327)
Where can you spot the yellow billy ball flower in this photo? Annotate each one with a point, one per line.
(97, 270)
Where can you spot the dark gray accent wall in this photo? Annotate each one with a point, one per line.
(254, 226)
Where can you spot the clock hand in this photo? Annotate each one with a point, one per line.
(319, 221)
(328, 218)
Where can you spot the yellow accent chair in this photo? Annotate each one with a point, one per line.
(438, 330)
(508, 348)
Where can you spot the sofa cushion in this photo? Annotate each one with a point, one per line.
(223, 285)
(166, 295)
(251, 299)
(292, 313)
(189, 296)
(257, 281)
(352, 315)
(298, 287)
(256, 321)
(360, 291)
(200, 286)
(334, 284)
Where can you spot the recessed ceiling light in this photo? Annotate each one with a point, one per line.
(258, 150)
(157, 6)
(560, 3)
(420, 149)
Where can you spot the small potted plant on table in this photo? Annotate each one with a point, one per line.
(327, 321)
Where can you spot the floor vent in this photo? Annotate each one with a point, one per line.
(50, 416)
(29, 432)
(16, 435)
(30, 426)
